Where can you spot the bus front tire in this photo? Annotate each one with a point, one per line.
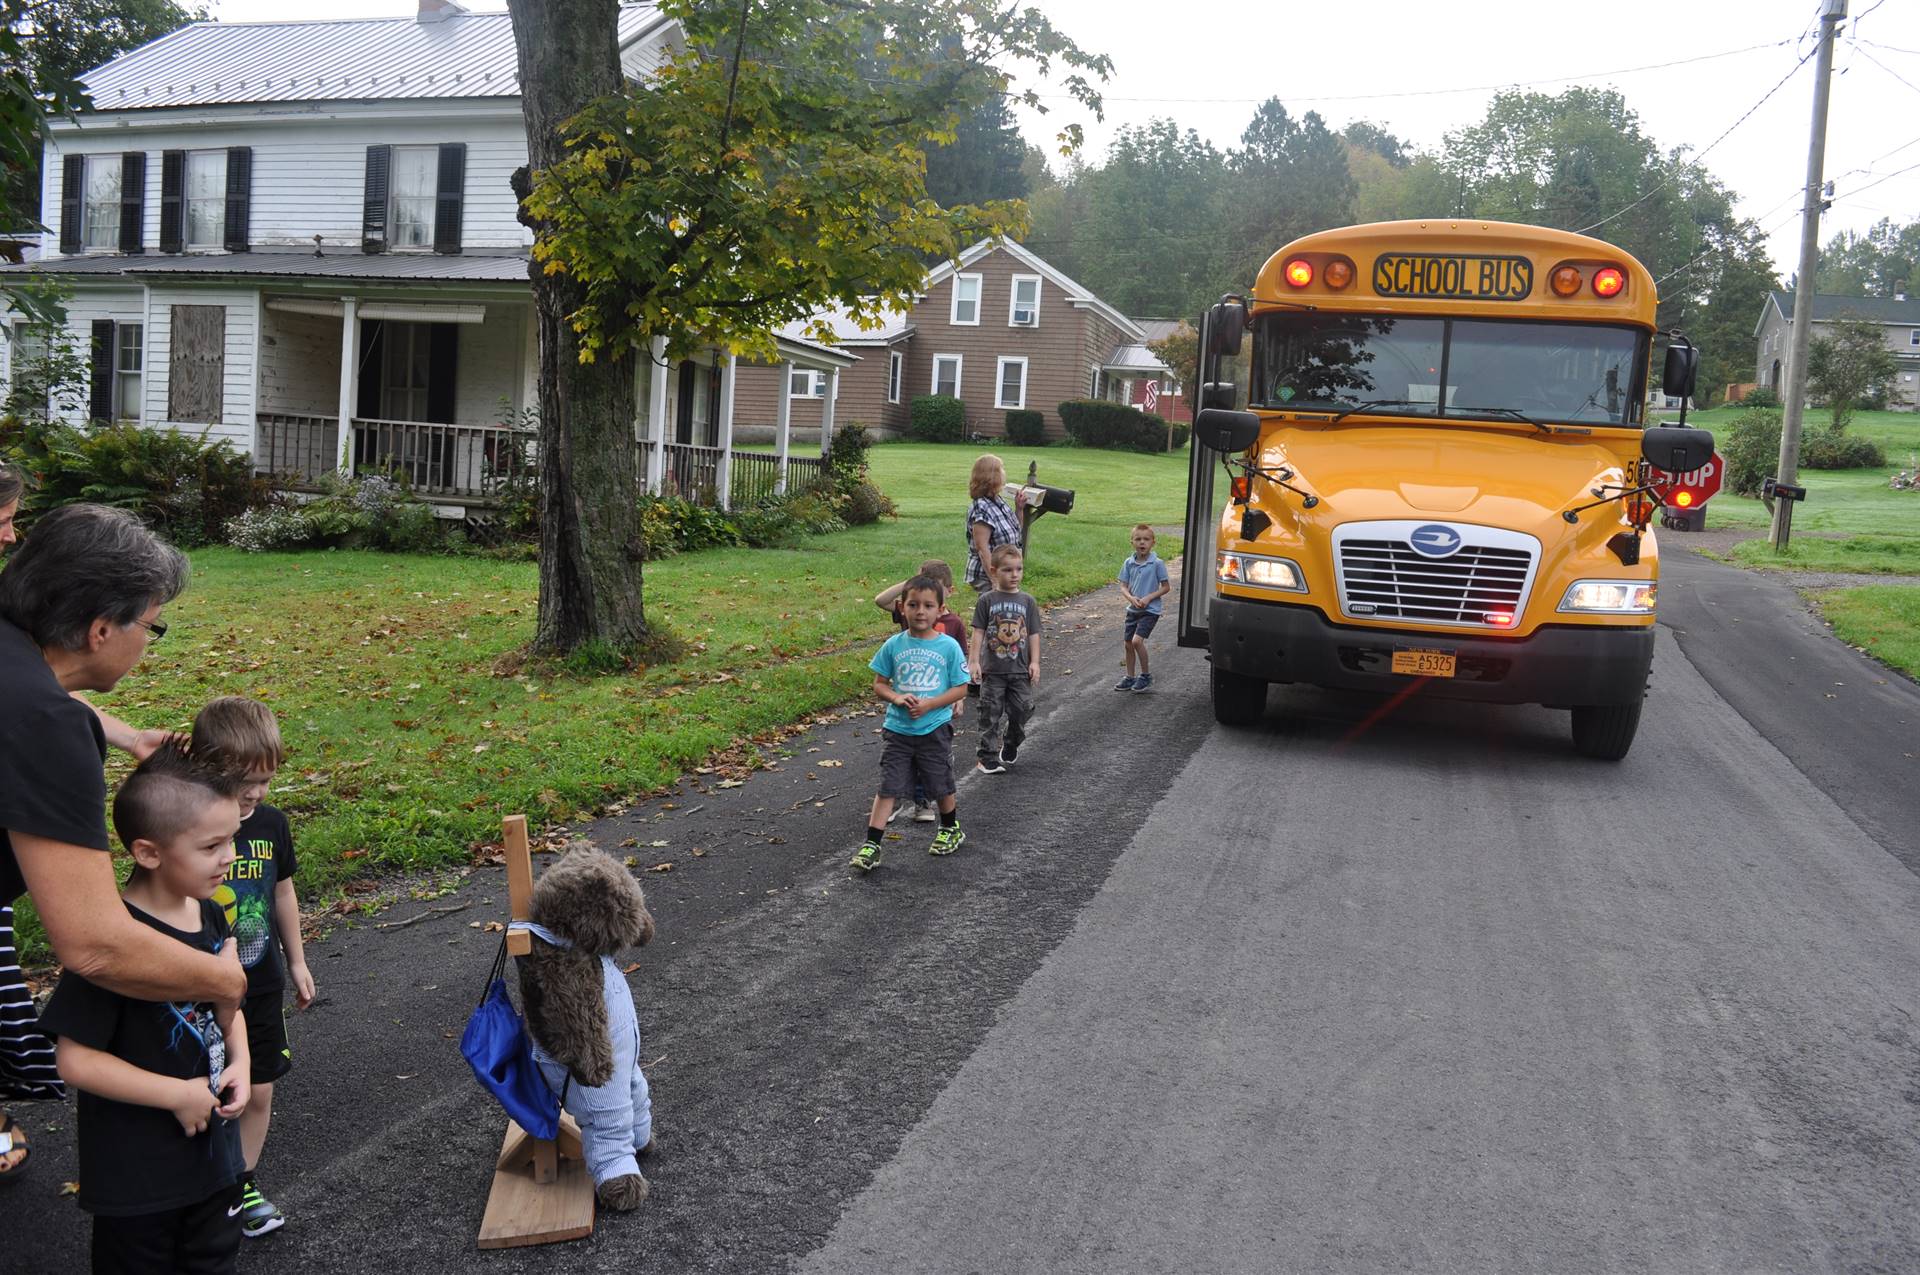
(1605, 732)
(1237, 700)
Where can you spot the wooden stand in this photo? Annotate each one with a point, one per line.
(542, 1193)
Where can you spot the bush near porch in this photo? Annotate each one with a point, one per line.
(406, 748)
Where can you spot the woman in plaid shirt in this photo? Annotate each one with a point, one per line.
(990, 523)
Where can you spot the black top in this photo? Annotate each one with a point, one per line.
(52, 757)
(135, 1159)
(264, 858)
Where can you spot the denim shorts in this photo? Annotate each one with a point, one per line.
(1140, 624)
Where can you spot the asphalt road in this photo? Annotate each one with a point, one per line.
(1426, 994)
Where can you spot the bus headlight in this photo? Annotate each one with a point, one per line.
(1260, 572)
(1610, 597)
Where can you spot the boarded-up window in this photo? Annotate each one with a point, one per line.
(197, 371)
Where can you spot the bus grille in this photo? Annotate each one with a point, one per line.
(1400, 584)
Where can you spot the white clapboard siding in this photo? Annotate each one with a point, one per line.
(237, 403)
(121, 304)
(299, 363)
(488, 372)
(309, 173)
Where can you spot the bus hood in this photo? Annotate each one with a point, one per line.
(1494, 477)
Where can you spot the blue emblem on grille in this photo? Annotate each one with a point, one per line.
(1435, 541)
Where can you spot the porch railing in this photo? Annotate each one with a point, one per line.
(296, 447)
(435, 459)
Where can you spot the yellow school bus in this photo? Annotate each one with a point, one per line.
(1436, 479)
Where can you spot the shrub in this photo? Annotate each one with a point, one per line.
(1828, 448)
(866, 503)
(847, 453)
(272, 529)
(1027, 428)
(1751, 449)
(1761, 396)
(1098, 423)
(670, 525)
(937, 418)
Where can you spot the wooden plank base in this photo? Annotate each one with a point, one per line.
(521, 1211)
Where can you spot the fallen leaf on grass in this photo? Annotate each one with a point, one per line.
(354, 854)
(631, 841)
(632, 861)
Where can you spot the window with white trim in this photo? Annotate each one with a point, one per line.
(966, 301)
(128, 362)
(100, 203)
(1023, 309)
(946, 375)
(206, 199)
(1010, 382)
(808, 383)
(896, 370)
(1913, 337)
(415, 178)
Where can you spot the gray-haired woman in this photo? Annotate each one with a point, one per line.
(79, 603)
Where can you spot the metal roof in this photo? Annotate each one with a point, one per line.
(847, 331)
(464, 268)
(463, 55)
(1827, 308)
(1134, 358)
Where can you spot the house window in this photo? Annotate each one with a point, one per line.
(128, 362)
(946, 375)
(206, 199)
(808, 383)
(409, 364)
(100, 210)
(1010, 378)
(197, 368)
(896, 368)
(416, 185)
(1024, 310)
(966, 300)
(1913, 337)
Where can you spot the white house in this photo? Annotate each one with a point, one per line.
(269, 229)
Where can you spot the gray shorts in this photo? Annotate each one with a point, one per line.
(927, 758)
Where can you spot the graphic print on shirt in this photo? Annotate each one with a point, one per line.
(196, 1023)
(920, 670)
(247, 898)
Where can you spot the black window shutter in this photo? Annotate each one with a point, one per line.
(73, 177)
(173, 214)
(443, 357)
(449, 209)
(133, 201)
(373, 220)
(100, 408)
(373, 349)
(239, 197)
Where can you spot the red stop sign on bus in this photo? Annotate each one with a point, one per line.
(1691, 489)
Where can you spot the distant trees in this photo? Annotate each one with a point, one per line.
(1879, 262)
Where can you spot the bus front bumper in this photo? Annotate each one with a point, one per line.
(1560, 666)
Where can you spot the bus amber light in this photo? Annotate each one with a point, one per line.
(1566, 281)
(1299, 272)
(1339, 274)
(1608, 281)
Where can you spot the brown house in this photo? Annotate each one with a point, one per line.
(999, 329)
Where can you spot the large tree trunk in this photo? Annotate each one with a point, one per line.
(590, 544)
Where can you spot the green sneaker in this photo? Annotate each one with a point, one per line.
(947, 840)
(258, 1215)
(866, 858)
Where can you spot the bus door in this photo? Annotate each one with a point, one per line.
(1206, 494)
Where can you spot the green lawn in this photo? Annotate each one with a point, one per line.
(1883, 619)
(1898, 433)
(1867, 554)
(407, 748)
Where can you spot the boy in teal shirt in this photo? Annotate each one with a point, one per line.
(920, 674)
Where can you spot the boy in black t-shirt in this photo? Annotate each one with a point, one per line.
(161, 1083)
(241, 736)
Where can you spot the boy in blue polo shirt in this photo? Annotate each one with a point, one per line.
(921, 674)
(1143, 582)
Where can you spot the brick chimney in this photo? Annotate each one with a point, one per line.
(437, 11)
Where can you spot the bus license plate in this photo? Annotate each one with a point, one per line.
(1421, 663)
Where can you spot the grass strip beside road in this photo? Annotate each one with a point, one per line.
(406, 748)
(1881, 619)
(1864, 554)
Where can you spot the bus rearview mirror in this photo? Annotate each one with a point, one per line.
(1229, 431)
(1681, 370)
(1226, 324)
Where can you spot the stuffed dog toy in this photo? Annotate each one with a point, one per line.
(586, 1038)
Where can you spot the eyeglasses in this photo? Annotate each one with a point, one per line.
(156, 630)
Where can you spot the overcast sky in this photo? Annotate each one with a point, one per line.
(1421, 68)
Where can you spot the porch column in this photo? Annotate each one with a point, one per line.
(723, 470)
(826, 410)
(783, 421)
(349, 381)
(657, 416)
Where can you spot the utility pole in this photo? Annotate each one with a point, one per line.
(1832, 14)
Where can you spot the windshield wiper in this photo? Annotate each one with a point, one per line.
(1368, 406)
(1514, 413)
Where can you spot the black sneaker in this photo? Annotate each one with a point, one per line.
(1009, 754)
(866, 858)
(258, 1215)
(992, 766)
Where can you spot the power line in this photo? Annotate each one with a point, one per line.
(1889, 70)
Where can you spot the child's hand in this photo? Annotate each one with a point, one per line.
(302, 986)
(919, 707)
(194, 1106)
(1033, 674)
(911, 703)
(237, 1089)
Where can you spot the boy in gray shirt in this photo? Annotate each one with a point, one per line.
(1005, 658)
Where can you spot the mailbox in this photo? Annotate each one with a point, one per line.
(1042, 499)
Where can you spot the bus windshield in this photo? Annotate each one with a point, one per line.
(1570, 373)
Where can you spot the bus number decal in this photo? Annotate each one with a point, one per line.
(1441, 275)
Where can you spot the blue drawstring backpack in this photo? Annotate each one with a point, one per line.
(496, 1045)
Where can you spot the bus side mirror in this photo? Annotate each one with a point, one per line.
(1218, 394)
(1226, 324)
(1678, 451)
(1681, 370)
(1228, 431)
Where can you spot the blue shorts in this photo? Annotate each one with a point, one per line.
(1140, 624)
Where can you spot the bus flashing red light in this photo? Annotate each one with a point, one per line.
(1608, 281)
(1299, 272)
